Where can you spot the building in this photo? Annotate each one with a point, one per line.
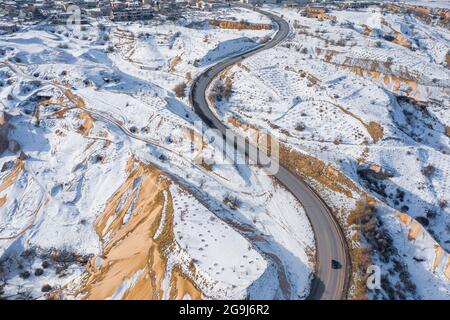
(209, 4)
(294, 3)
(259, 1)
(8, 27)
(316, 12)
(94, 13)
(61, 18)
(444, 18)
(90, 4)
(132, 14)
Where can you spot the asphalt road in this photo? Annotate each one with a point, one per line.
(328, 283)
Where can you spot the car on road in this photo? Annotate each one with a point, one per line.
(335, 264)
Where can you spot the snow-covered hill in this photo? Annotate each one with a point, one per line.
(102, 195)
(365, 118)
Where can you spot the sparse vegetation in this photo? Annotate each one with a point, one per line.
(300, 126)
(222, 90)
(428, 170)
(46, 288)
(232, 201)
(109, 49)
(63, 46)
(180, 90)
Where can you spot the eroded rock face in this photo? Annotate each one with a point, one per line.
(2, 118)
(223, 24)
(5, 142)
(13, 146)
(4, 131)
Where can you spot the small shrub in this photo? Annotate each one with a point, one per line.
(46, 288)
(300, 126)
(341, 42)
(428, 170)
(63, 46)
(232, 201)
(110, 49)
(38, 272)
(222, 90)
(180, 90)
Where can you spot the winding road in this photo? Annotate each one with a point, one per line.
(328, 283)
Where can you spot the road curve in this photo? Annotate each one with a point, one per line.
(328, 283)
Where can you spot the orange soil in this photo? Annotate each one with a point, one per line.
(11, 177)
(174, 62)
(3, 200)
(447, 269)
(415, 230)
(304, 165)
(88, 123)
(131, 248)
(180, 287)
(375, 70)
(76, 100)
(362, 159)
(238, 25)
(437, 256)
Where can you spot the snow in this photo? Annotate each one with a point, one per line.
(221, 255)
(125, 285)
(125, 75)
(420, 256)
(121, 76)
(430, 3)
(321, 109)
